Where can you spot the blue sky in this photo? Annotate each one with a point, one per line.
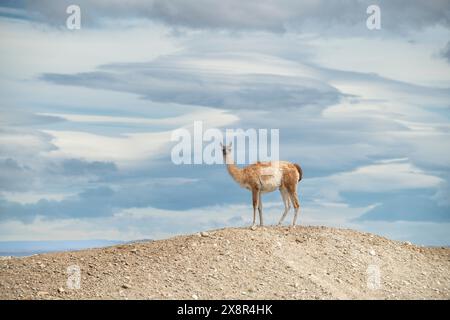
(86, 115)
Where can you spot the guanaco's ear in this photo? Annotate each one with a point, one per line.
(221, 145)
(229, 146)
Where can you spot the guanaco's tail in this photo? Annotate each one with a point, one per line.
(300, 171)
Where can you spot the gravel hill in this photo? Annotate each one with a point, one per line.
(238, 263)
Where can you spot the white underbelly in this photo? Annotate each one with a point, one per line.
(271, 181)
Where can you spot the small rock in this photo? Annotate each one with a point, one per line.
(204, 234)
(126, 286)
(195, 297)
(61, 290)
(372, 252)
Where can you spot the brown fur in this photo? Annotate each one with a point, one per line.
(300, 171)
(263, 177)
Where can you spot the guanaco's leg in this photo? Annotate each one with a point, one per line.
(296, 204)
(287, 205)
(255, 198)
(261, 223)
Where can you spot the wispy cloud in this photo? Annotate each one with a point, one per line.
(267, 15)
(445, 52)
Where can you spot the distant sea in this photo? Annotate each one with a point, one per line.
(28, 248)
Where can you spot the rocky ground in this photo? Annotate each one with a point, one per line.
(267, 263)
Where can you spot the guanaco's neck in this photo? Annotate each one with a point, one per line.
(234, 171)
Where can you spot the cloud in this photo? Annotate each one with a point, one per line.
(254, 14)
(127, 224)
(182, 83)
(378, 178)
(113, 192)
(445, 52)
(14, 176)
(23, 142)
(30, 197)
(230, 81)
(23, 118)
(215, 119)
(93, 147)
(82, 167)
(128, 149)
(422, 233)
(385, 177)
(396, 190)
(408, 207)
(153, 223)
(412, 61)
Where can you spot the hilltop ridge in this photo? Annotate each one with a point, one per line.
(238, 263)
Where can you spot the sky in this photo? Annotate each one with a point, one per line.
(86, 115)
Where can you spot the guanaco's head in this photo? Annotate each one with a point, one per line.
(226, 150)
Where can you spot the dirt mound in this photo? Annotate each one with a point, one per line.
(268, 263)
